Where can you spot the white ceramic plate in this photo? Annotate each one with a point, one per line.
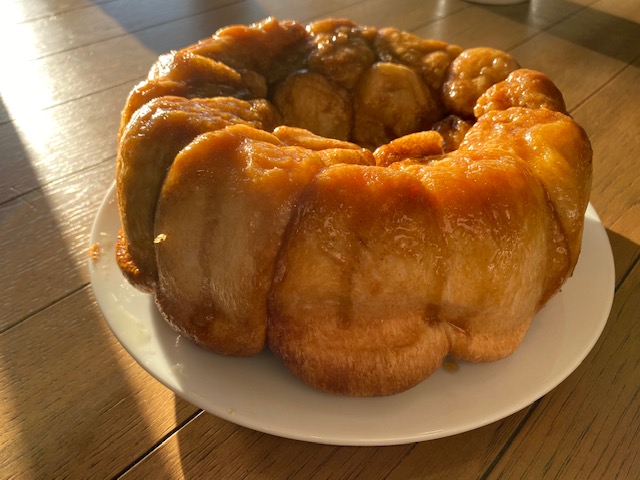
(259, 392)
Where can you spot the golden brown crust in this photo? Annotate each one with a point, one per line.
(270, 48)
(391, 101)
(422, 146)
(431, 58)
(361, 269)
(522, 88)
(222, 212)
(343, 51)
(128, 266)
(345, 329)
(309, 100)
(150, 143)
(496, 216)
(558, 151)
(470, 75)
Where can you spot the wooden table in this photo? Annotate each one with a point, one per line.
(74, 404)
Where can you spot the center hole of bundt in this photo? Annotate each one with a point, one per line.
(389, 101)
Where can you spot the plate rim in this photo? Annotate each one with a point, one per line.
(107, 207)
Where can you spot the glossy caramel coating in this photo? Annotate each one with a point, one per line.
(149, 145)
(404, 275)
(309, 100)
(470, 75)
(221, 215)
(557, 150)
(452, 129)
(392, 101)
(431, 58)
(343, 51)
(346, 327)
(522, 88)
(363, 202)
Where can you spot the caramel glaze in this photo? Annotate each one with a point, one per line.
(363, 201)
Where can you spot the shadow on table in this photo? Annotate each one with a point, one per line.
(174, 25)
(606, 33)
(64, 394)
(626, 254)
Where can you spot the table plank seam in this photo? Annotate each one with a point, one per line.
(611, 79)
(138, 30)
(159, 443)
(402, 457)
(63, 11)
(542, 30)
(138, 78)
(131, 82)
(110, 158)
(60, 164)
(42, 308)
(507, 444)
(626, 274)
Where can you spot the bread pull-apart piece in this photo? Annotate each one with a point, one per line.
(390, 101)
(471, 74)
(452, 129)
(331, 150)
(309, 100)
(187, 75)
(415, 146)
(352, 306)
(522, 88)
(157, 132)
(218, 227)
(557, 150)
(342, 50)
(409, 263)
(500, 240)
(271, 48)
(238, 61)
(429, 57)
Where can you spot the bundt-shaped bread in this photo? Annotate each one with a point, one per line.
(363, 202)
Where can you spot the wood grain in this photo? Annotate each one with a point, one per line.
(611, 117)
(597, 409)
(60, 218)
(19, 11)
(60, 141)
(74, 403)
(223, 450)
(577, 82)
(478, 26)
(94, 23)
(413, 15)
(540, 15)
